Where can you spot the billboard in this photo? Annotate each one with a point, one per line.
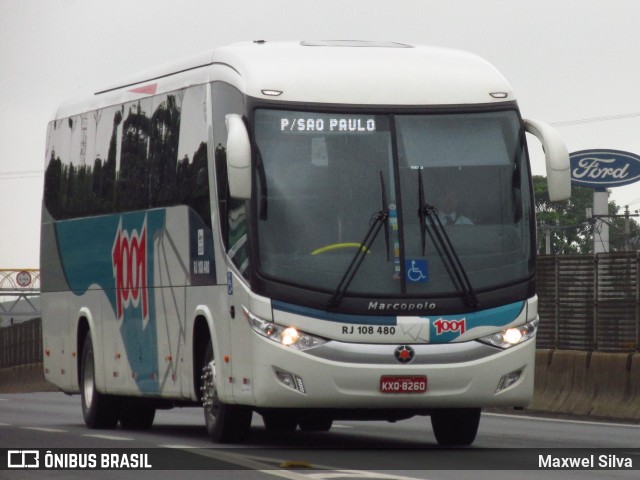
(604, 168)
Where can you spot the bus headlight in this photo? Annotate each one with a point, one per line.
(509, 337)
(287, 336)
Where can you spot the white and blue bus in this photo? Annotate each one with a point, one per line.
(311, 231)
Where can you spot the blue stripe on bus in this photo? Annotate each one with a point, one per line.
(492, 317)
(333, 317)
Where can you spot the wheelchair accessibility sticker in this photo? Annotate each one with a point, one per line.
(417, 271)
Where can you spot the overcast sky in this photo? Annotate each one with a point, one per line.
(567, 60)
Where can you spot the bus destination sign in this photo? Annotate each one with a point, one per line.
(328, 124)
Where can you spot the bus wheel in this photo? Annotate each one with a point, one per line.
(225, 423)
(279, 421)
(455, 426)
(137, 414)
(99, 410)
(316, 424)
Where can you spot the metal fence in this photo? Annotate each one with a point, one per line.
(21, 344)
(590, 302)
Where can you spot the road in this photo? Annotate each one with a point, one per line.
(397, 451)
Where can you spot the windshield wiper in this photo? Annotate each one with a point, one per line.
(441, 238)
(376, 223)
(421, 212)
(385, 208)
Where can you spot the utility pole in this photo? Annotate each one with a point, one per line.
(627, 224)
(601, 226)
(547, 229)
(547, 241)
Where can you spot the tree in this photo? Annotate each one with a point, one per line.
(133, 181)
(52, 186)
(619, 240)
(163, 153)
(570, 229)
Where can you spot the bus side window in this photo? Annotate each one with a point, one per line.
(193, 170)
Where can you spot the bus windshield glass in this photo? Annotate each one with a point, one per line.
(324, 181)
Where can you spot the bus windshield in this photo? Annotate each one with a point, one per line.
(324, 181)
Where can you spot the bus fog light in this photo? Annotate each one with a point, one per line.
(287, 379)
(292, 381)
(507, 380)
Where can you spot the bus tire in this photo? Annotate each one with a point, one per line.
(99, 410)
(225, 423)
(455, 426)
(279, 421)
(137, 414)
(316, 424)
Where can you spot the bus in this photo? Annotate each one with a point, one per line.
(310, 231)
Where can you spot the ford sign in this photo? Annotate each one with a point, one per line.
(604, 168)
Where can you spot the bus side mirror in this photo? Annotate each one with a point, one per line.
(238, 157)
(556, 159)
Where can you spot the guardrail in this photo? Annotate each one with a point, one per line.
(597, 384)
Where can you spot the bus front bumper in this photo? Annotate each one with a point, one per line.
(468, 374)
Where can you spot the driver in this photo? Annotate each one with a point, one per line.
(448, 212)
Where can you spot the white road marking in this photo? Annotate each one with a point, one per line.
(43, 429)
(265, 465)
(179, 447)
(564, 420)
(357, 474)
(109, 437)
(245, 461)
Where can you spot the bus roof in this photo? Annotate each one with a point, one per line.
(333, 72)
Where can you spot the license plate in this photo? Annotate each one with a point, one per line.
(403, 384)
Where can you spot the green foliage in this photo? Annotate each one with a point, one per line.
(571, 230)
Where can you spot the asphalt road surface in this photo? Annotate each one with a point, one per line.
(372, 450)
